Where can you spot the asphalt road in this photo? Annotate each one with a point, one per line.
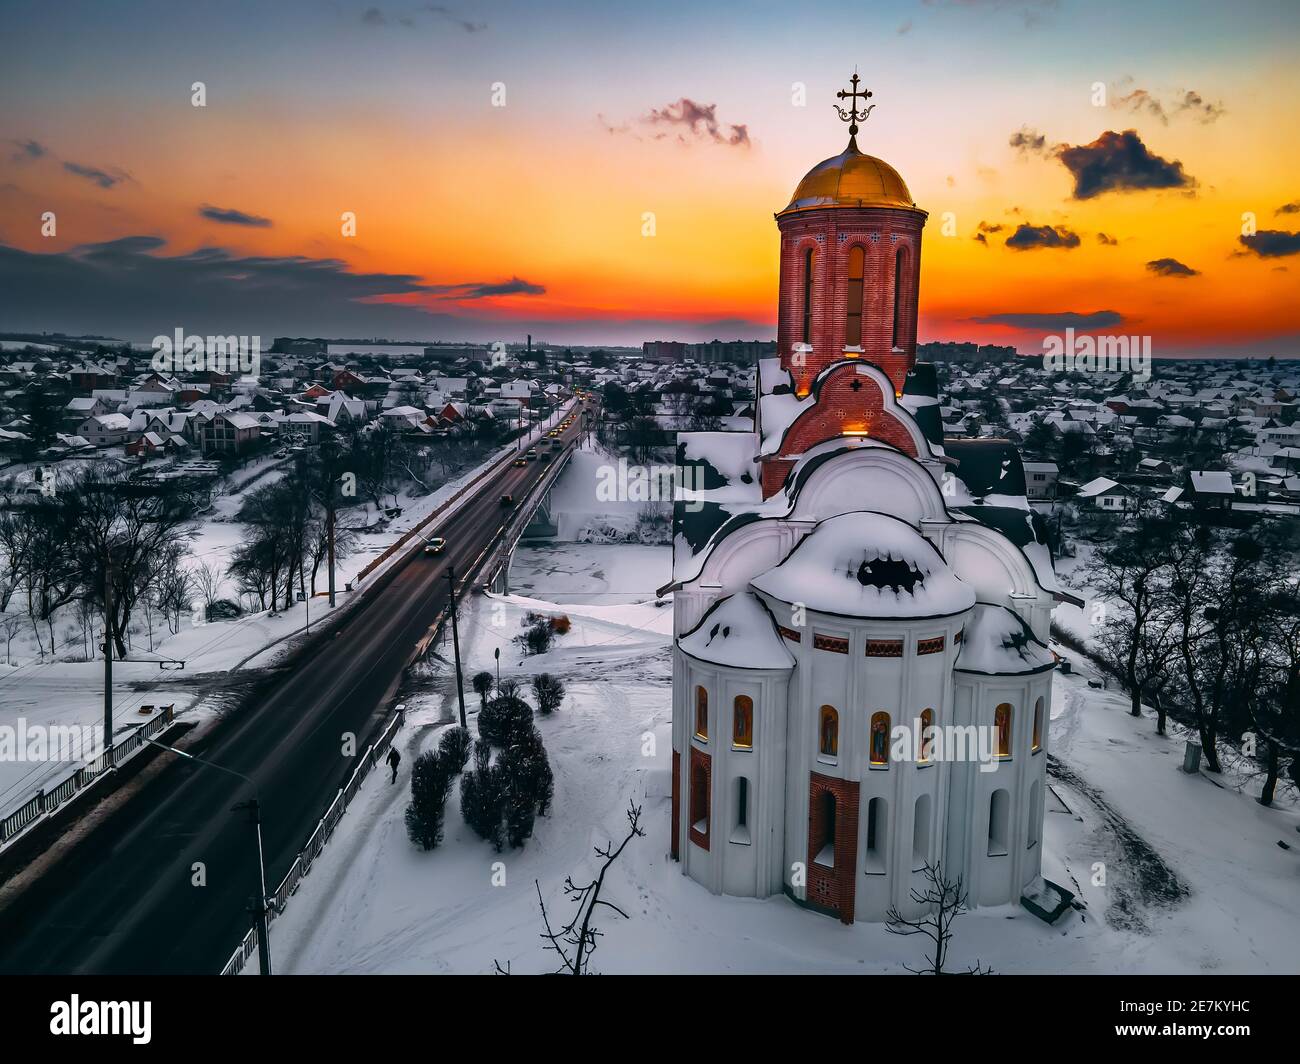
(125, 900)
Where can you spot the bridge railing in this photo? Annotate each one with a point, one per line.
(318, 839)
(48, 799)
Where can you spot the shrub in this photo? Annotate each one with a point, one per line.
(454, 748)
(537, 637)
(549, 692)
(483, 797)
(504, 718)
(430, 784)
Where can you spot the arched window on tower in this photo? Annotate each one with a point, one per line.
(879, 739)
(1002, 728)
(921, 833)
(742, 731)
(999, 813)
(809, 261)
(877, 836)
(853, 322)
(927, 736)
(701, 714)
(829, 732)
(900, 262)
(1038, 726)
(1035, 815)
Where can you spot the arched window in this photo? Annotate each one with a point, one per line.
(900, 262)
(877, 834)
(701, 713)
(921, 833)
(999, 811)
(1038, 726)
(829, 732)
(742, 716)
(853, 323)
(927, 736)
(1035, 815)
(880, 738)
(1002, 728)
(809, 261)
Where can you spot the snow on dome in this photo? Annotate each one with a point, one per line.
(997, 641)
(867, 564)
(739, 632)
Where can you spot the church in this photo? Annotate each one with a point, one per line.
(861, 677)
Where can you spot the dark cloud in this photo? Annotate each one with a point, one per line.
(696, 121)
(1065, 319)
(1187, 102)
(28, 150)
(127, 287)
(452, 16)
(1029, 142)
(103, 178)
(1029, 237)
(1109, 241)
(374, 16)
(905, 27)
(1201, 109)
(1289, 208)
(230, 216)
(1139, 101)
(1120, 162)
(1171, 268)
(516, 286)
(986, 228)
(1272, 243)
(1031, 12)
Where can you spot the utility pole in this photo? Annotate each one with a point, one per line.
(108, 655)
(329, 512)
(259, 906)
(455, 641)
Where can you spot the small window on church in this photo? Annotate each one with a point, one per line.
(809, 261)
(899, 264)
(743, 722)
(921, 833)
(879, 739)
(927, 736)
(1002, 726)
(830, 732)
(1035, 815)
(1038, 726)
(877, 828)
(853, 324)
(701, 714)
(999, 813)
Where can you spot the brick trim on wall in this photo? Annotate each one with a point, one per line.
(833, 889)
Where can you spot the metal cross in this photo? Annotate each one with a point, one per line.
(853, 115)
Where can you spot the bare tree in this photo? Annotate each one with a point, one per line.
(942, 901)
(575, 942)
(10, 625)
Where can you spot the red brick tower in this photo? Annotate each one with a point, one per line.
(850, 263)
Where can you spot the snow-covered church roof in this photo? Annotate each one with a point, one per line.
(867, 564)
(996, 641)
(738, 631)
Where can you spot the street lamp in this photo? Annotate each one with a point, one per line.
(253, 805)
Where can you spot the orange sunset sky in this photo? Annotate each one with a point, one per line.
(476, 221)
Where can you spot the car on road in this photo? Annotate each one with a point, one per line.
(532, 453)
(520, 461)
(435, 545)
(507, 500)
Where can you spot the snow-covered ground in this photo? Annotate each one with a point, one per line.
(1194, 878)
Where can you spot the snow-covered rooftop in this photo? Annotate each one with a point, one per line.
(867, 564)
(738, 631)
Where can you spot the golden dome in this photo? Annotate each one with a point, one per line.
(851, 179)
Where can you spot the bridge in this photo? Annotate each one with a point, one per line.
(531, 519)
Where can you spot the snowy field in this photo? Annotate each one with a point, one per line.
(1195, 880)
